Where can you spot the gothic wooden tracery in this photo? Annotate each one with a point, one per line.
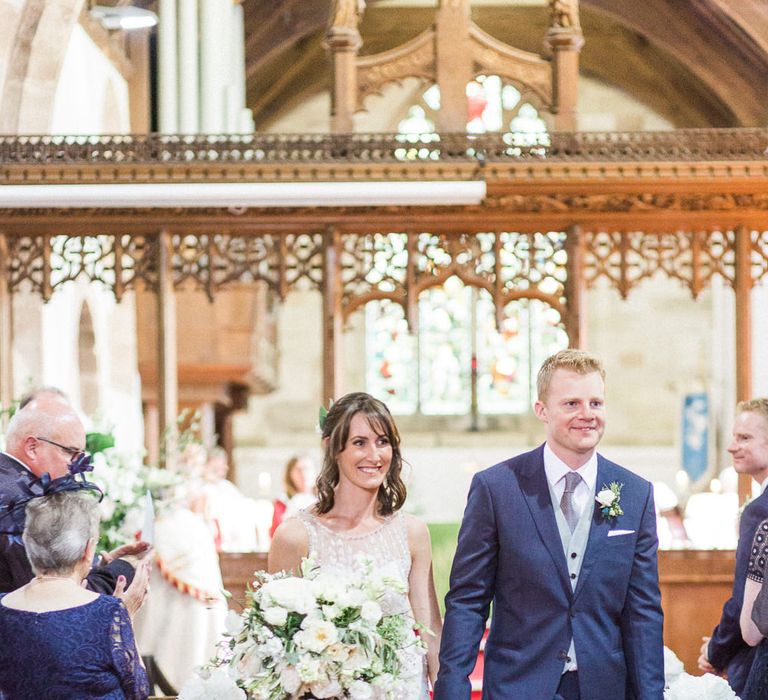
(559, 217)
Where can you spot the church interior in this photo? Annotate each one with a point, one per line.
(249, 208)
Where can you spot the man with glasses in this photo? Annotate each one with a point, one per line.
(46, 436)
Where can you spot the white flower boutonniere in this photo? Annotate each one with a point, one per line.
(608, 499)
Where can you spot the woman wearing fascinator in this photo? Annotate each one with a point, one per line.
(58, 639)
(360, 493)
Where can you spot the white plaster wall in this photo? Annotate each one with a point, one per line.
(115, 348)
(91, 95)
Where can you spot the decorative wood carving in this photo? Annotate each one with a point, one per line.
(528, 71)
(564, 14)
(415, 58)
(627, 258)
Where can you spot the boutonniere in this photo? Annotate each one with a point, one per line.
(608, 498)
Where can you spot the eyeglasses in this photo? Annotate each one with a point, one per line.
(73, 452)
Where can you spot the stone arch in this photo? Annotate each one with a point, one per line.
(35, 58)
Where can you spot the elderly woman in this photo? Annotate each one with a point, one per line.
(58, 639)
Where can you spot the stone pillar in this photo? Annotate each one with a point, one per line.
(454, 64)
(343, 41)
(237, 114)
(213, 44)
(168, 67)
(189, 68)
(564, 39)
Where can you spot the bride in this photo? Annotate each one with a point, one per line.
(360, 493)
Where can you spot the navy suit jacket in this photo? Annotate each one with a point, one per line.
(15, 569)
(727, 649)
(510, 553)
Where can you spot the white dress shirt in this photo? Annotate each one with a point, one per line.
(556, 470)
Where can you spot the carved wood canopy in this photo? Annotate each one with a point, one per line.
(640, 204)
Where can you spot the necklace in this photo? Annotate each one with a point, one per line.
(41, 577)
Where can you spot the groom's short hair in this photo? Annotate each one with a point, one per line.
(579, 361)
(759, 406)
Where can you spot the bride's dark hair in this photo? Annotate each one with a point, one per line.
(335, 429)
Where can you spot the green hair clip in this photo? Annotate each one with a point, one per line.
(322, 415)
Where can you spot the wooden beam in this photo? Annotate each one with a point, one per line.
(6, 330)
(743, 330)
(576, 316)
(332, 316)
(167, 385)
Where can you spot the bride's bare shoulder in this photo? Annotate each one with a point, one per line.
(290, 544)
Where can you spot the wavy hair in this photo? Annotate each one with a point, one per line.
(335, 429)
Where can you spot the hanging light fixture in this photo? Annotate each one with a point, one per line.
(123, 17)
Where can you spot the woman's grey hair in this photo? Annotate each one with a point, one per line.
(57, 530)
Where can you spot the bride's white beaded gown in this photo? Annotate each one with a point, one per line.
(387, 548)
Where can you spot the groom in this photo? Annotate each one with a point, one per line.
(563, 543)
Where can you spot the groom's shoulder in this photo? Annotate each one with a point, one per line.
(514, 465)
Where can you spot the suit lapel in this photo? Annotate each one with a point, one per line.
(598, 531)
(533, 484)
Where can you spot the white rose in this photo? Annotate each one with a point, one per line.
(273, 647)
(605, 498)
(317, 636)
(360, 690)
(356, 660)
(217, 685)
(326, 689)
(370, 612)
(275, 616)
(233, 623)
(308, 670)
(291, 593)
(290, 680)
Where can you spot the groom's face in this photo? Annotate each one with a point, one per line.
(574, 412)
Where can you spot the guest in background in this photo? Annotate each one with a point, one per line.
(297, 479)
(726, 650)
(46, 440)
(756, 687)
(58, 639)
(239, 523)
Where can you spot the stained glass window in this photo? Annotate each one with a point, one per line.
(391, 368)
(432, 374)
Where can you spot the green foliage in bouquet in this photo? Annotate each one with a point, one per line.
(98, 442)
(323, 634)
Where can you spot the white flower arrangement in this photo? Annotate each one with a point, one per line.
(320, 635)
(706, 687)
(608, 498)
(125, 483)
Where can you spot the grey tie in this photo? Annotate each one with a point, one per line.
(567, 505)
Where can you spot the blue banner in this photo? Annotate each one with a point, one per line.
(696, 435)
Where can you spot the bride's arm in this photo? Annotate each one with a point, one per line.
(423, 597)
(290, 544)
(749, 631)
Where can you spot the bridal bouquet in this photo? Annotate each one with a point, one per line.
(321, 635)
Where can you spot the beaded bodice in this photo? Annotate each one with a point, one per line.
(386, 547)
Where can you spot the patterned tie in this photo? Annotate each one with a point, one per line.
(567, 505)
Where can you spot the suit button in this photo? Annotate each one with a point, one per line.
(573, 555)
(573, 575)
(562, 655)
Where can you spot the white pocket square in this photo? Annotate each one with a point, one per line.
(616, 533)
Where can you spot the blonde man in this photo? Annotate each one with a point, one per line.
(563, 543)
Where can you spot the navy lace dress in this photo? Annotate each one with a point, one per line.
(84, 653)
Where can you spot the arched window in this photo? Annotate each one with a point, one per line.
(458, 348)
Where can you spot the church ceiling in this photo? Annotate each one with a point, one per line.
(698, 63)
